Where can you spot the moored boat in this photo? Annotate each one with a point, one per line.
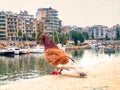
(15, 49)
(109, 49)
(24, 51)
(37, 49)
(6, 52)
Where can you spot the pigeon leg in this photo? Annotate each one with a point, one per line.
(55, 72)
(60, 71)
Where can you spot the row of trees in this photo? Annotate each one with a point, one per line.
(63, 38)
(60, 37)
(25, 36)
(72, 35)
(79, 36)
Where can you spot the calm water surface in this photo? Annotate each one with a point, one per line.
(34, 65)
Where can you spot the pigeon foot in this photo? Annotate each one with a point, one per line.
(55, 73)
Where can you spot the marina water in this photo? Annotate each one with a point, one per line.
(30, 66)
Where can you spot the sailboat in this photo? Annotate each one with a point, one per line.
(37, 48)
(59, 44)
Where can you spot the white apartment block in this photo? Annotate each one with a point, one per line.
(48, 18)
(99, 31)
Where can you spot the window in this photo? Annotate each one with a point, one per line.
(2, 24)
(2, 20)
(2, 16)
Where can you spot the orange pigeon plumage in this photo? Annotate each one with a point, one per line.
(57, 57)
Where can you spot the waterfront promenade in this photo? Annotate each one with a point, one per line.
(4, 44)
(102, 76)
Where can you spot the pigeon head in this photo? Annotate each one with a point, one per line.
(47, 41)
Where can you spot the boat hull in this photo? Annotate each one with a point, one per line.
(7, 53)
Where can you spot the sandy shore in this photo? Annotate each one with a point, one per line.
(102, 76)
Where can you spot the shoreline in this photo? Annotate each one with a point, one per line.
(101, 76)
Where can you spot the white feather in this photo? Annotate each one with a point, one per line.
(70, 66)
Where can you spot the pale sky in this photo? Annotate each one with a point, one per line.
(72, 12)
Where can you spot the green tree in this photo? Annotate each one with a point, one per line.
(59, 38)
(25, 37)
(34, 35)
(118, 34)
(62, 38)
(19, 33)
(106, 37)
(86, 35)
(75, 36)
(81, 37)
(92, 35)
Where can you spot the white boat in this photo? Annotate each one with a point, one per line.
(93, 46)
(60, 46)
(6, 52)
(37, 49)
(24, 51)
(15, 49)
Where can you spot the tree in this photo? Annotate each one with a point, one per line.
(25, 37)
(106, 37)
(75, 36)
(85, 34)
(118, 34)
(81, 37)
(20, 35)
(62, 38)
(92, 35)
(59, 38)
(34, 35)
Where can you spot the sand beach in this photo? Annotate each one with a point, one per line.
(102, 76)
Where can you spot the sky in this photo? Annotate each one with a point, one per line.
(72, 12)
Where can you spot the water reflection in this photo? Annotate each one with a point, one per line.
(76, 53)
(90, 57)
(22, 67)
(34, 65)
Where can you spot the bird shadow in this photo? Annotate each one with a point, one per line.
(73, 76)
(69, 75)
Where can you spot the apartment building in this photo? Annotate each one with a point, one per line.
(8, 26)
(27, 25)
(3, 26)
(116, 31)
(48, 20)
(99, 31)
(12, 26)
